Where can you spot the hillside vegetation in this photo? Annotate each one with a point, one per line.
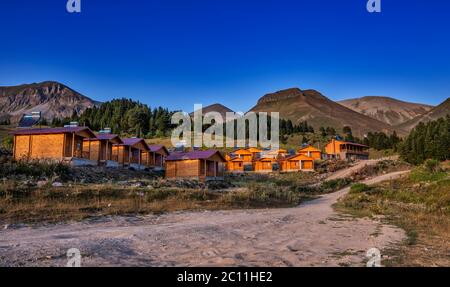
(420, 204)
(428, 141)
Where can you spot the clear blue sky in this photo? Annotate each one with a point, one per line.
(176, 53)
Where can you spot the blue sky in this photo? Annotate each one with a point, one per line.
(176, 53)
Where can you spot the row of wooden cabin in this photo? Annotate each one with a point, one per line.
(79, 146)
(253, 159)
(257, 160)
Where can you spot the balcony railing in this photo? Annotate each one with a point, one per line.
(355, 151)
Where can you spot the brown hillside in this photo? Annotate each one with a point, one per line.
(438, 112)
(388, 110)
(310, 105)
(219, 108)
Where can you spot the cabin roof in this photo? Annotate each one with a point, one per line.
(254, 149)
(309, 148)
(108, 137)
(49, 131)
(157, 147)
(242, 151)
(300, 156)
(134, 141)
(200, 154)
(235, 158)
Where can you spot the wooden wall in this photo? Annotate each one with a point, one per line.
(313, 154)
(121, 154)
(235, 166)
(183, 168)
(263, 166)
(307, 164)
(39, 146)
(94, 149)
(21, 147)
(159, 160)
(290, 165)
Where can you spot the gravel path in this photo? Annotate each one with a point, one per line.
(312, 234)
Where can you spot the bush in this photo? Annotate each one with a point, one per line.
(7, 143)
(34, 169)
(359, 187)
(432, 165)
(335, 184)
(429, 172)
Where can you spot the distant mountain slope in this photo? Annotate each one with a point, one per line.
(310, 105)
(53, 99)
(219, 108)
(385, 109)
(437, 112)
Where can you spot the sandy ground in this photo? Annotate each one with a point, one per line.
(312, 234)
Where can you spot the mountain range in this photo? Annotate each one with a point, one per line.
(51, 98)
(319, 111)
(388, 110)
(435, 113)
(363, 115)
(218, 108)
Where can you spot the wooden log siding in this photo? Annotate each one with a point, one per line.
(122, 153)
(233, 164)
(56, 144)
(209, 164)
(101, 148)
(297, 163)
(130, 151)
(244, 154)
(264, 165)
(310, 151)
(157, 154)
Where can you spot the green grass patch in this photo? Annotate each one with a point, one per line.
(335, 184)
(419, 204)
(360, 187)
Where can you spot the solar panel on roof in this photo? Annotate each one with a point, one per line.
(28, 121)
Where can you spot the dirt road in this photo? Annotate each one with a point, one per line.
(312, 234)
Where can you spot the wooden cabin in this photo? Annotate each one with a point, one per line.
(337, 149)
(297, 162)
(256, 152)
(61, 144)
(200, 165)
(264, 164)
(129, 152)
(277, 154)
(101, 148)
(155, 157)
(244, 154)
(234, 164)
(310, 151)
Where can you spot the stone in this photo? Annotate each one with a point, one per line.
(41, 183)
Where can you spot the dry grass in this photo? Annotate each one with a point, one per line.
(377, 154)
(20, 202)
(420, 204)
